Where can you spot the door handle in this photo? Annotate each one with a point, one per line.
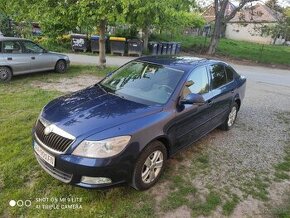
(33, 58)
(209, 102)
(9, 59)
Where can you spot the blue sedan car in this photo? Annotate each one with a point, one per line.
(122, 129)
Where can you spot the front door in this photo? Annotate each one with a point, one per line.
(39, 59)
(193, 121)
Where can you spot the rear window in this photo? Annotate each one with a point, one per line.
(11, 47)
(218, 75)
(230, 73)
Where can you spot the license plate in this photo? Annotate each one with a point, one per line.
(44, 155)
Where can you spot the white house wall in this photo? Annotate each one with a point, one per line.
(247, 32)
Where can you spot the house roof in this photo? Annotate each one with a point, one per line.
(209, 13)
(258, 13)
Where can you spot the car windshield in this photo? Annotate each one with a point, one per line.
(143, 81)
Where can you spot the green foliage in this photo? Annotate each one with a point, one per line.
(163, 14)
(5, 25)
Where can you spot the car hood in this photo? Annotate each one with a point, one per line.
(93, 110)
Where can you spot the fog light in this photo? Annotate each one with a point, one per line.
(95, 180)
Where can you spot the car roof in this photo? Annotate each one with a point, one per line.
(184, 63)
(11, 39)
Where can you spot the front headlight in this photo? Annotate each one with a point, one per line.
(101, 149)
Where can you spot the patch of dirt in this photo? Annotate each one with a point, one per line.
(250, 208)
(183, 211)
(67, 85)
(159, 192)
(278, 192)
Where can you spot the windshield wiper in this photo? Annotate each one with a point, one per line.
(102, 87)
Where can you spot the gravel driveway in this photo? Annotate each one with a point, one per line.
(239, 162)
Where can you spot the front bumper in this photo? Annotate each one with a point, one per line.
(70, 169)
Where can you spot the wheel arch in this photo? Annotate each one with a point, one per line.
(8, 67)
(164, 140)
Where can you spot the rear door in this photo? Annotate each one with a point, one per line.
(222, 91)
(39, 59)
(14, 57)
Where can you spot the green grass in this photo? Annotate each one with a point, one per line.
(180, 195)
(283, 168)
(268, 54)
(21, 178)
(210, 204)
(230, 205)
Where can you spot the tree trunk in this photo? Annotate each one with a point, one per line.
(223, 29)
(215, 36)
(102, 44)
(146, 33)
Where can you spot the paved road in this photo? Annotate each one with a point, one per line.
(257, 74)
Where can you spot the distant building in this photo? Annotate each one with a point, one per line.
(247, 23)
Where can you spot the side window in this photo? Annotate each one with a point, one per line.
(30, 47)
(11, 47)
(197, 82)
(230, 73)
(218, 75)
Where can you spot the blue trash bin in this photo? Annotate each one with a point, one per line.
(153, 48)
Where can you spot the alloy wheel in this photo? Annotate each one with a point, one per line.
(152, 167)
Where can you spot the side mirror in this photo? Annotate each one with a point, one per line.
(193, 98)
(44, 51)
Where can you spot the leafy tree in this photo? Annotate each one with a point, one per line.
(5, 25)
(221, 18)
(161, 14)
(282, 28)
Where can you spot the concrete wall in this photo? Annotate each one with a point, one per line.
(247, 32)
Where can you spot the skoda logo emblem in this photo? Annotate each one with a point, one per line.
(48, 129)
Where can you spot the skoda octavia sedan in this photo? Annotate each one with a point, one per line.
(123, 128)
(21, 56)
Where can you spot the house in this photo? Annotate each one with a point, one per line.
(247, 24)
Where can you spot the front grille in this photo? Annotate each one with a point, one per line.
(62, 176)
(52, 140)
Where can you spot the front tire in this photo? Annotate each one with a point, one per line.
(231, 118)
(149, 166)
(60, 66)
(5, 74)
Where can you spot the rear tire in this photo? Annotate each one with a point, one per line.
(231, 118)
(5, 74)
(60, 66)
(149, 166)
